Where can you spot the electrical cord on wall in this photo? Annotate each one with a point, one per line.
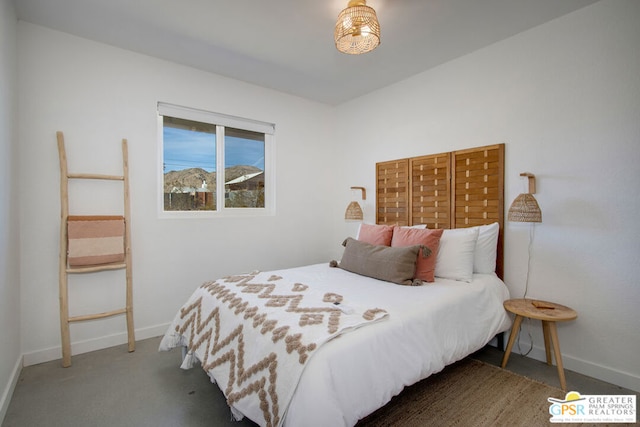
(526, 282)
(526, 289)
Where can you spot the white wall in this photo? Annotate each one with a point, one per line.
(565, 98)
(10, 354)
(97, 95)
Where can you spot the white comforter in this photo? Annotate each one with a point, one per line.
(428, 327)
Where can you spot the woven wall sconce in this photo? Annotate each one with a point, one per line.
(357, 29)
(354, 211)
(525, 207)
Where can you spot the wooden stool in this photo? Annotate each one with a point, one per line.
(549, 313)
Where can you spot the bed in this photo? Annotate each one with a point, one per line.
(328, 344)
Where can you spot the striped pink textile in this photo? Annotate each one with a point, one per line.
(95, 240)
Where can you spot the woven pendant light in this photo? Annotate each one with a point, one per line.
(525, 207)
(354, 212)
(357, 29)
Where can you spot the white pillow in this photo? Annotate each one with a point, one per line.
(486, 249)
(456, 254)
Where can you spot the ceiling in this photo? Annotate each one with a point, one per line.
(288, 45)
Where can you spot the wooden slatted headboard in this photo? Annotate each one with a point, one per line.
(457, 189)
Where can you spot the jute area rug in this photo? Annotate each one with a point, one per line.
(469, 393)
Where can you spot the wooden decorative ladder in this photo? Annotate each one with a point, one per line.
(104, 263)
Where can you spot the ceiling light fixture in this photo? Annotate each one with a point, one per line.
(357, 29)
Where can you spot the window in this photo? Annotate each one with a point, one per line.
(213, 164)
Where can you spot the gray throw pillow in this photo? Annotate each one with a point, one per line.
(396, 265)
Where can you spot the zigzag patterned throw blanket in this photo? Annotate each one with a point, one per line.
(254, 333)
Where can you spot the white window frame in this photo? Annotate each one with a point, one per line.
(221, 121)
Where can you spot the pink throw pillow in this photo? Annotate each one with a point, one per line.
(425, 267)
(375, 234)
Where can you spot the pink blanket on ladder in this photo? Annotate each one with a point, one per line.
(95, 240)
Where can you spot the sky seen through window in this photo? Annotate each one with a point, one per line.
(185, 149)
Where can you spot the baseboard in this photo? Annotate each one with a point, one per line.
(581, 366)
(79, 347)
(8, 390)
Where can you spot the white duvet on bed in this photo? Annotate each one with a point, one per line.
(428, 327)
